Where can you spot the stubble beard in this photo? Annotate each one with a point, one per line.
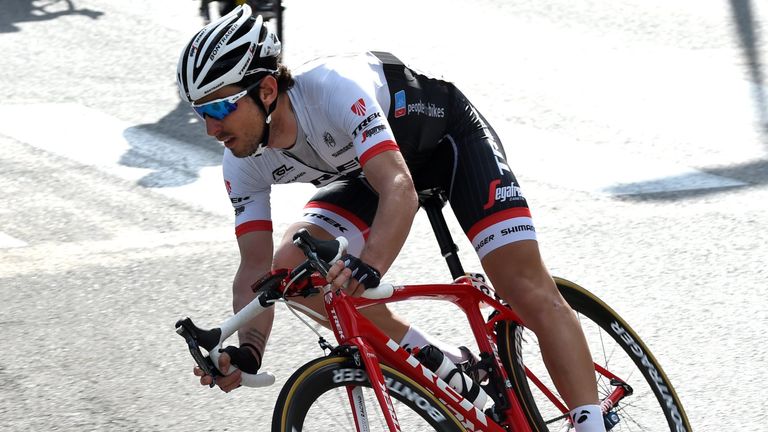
(253, 143)
(249, 150)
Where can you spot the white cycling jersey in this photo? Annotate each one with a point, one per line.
(341, 106)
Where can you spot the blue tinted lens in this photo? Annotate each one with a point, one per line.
(217, 110)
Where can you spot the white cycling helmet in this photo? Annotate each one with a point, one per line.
(224, 52)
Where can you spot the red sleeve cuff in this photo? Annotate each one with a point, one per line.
(254, 225)
(378, 148)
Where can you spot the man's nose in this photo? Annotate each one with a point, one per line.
(212, 126)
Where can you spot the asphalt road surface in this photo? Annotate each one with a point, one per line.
(639, 132)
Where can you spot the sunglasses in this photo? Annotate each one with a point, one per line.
(220, 108)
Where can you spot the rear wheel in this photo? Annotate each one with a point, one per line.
(653, 404)
(315, 399)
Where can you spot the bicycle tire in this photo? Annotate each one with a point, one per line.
(654, 395)
(325, 375)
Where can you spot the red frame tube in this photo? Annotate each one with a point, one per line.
(352, 328)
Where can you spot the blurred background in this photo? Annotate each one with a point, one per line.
(638, 130)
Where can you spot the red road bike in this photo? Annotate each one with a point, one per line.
(368, 382)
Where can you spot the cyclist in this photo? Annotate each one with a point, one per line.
(368, 131)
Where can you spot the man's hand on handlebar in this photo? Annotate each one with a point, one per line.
(242, 358)
(226, 383)
(353, 271)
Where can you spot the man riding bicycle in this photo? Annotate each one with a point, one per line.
(369, 132)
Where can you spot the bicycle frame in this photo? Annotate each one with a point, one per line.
(353, 329)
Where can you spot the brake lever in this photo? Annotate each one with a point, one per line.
(186, 329)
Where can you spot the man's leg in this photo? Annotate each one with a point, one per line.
(520, 277)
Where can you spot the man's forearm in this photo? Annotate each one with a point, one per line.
(257, 331)
(392, 223)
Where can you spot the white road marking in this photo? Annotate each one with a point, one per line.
(97, 139)
(552, 158)
(7, 241)
(56, 257)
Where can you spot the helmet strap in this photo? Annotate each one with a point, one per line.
(271, 109)
(267, 120)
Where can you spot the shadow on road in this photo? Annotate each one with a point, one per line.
(175, 148)
(16, 11)
(749, 39)
(754, 173)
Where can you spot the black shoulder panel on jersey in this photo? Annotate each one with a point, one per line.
(420, 110)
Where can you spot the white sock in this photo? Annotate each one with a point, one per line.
(414, 337)
(588, 418)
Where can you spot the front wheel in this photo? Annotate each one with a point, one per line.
(652, 405)
(315, 399)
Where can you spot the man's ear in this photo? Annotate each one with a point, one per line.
(268, 90)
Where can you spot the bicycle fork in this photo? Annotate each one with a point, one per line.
(367, 356)
(379, 385)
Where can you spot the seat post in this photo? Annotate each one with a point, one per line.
(433, 201)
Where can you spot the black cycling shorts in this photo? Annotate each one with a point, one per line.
(467, 162)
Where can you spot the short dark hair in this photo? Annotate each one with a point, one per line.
(283, 76)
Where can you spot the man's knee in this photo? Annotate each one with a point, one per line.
(287, 254)
(529, 290)
(536, 300)
(519, 276)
